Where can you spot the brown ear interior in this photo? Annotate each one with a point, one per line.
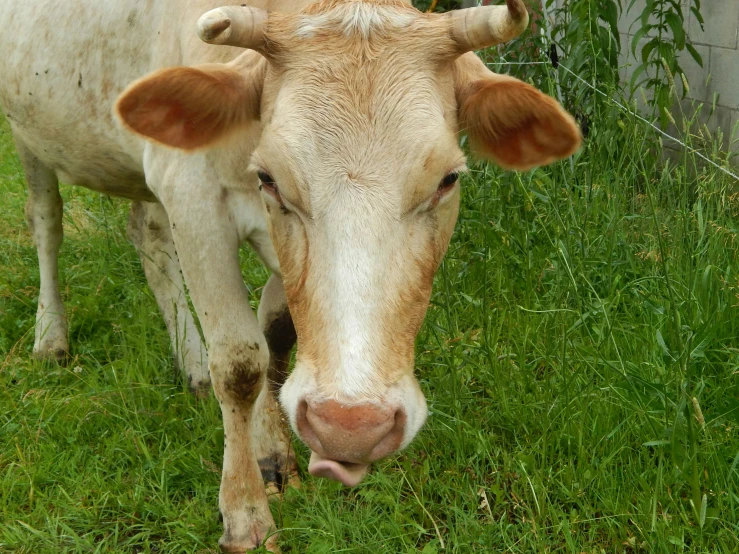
(188, 107)
(515, 125)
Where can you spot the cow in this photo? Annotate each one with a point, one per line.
(326, 135)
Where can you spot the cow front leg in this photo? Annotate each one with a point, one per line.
(238, 356)
(272, 433)
(239, 383)
(44, 216)
(148, 229)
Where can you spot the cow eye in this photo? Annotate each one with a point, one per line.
(268, 186)
(448, 181)
(446, 184)
(266, 178)
(268, 183)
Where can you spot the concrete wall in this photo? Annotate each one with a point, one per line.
(715, 85)
(717, 82)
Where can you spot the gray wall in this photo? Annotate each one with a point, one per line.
(715, 85)
(717, 80)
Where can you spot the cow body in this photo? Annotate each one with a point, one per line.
(65, 65)
(330, 146)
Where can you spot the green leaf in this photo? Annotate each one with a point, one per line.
(694, 53)
(638, 36)
(696, 12)
(663, 344)
(700, 350)
(646, 13)
(676, 5)
(430, 548)
(656, 310)
(678, 31)
(526, 461)
(609, 14)
(656, 443)
(730, 412)
(647, 49)
(634, 76)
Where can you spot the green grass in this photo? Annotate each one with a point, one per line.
(579, 358)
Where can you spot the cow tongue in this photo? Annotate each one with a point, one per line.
(348, 474)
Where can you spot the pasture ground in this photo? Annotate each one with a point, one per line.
(580, 361)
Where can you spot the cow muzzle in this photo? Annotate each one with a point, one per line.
(345, 439)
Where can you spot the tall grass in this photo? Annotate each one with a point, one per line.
(580, 360)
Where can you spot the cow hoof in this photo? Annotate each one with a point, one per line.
(230, 545)
(279, 474)
(200, 388)
(201, 392)
(56, 354)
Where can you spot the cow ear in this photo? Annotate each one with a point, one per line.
(191, 107)
(514, 124)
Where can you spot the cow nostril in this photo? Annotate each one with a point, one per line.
(393, 440)
(351, 433)
(305, 430)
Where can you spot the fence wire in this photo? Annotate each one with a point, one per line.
(622, 108)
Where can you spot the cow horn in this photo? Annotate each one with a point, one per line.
(234, 26)
(475, 28)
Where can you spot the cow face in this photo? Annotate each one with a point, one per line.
(360, 105)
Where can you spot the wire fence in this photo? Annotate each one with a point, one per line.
(554, 65)
(683, 144)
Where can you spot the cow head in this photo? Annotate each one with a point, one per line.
(360, 106)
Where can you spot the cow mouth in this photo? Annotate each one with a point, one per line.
(347, 473)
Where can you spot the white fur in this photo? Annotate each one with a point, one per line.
(356, 17)
(354, 270)
(149, 230)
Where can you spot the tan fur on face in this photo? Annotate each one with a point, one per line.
(363, 25)
(369, 119)
(358, 132)
(360, 104)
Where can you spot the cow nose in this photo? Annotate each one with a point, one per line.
(359, 433)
